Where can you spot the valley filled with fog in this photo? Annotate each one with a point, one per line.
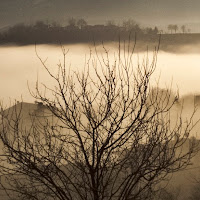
(20, 66)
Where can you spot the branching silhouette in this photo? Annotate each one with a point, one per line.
(104, 133)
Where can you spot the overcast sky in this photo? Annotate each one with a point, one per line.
(147, 12)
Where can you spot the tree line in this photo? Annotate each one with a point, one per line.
(77, 30)
(174, 28)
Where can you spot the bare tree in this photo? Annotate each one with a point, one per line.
(81, 23)
(110, 136)
(170, 28)
(175, 27)
(72, 22)
(183, 28)
(130, 24)
(110, 23)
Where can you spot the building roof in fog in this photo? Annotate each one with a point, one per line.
(26, 110)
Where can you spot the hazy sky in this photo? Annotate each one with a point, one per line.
(147, 12)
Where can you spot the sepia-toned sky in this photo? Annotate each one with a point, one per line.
(147, 12)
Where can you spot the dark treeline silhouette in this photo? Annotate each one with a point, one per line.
(79, 31)
(174, 28)
(75, 31)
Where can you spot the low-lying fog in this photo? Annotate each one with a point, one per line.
(20, 64)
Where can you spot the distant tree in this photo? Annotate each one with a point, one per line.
(110, 23)
(161, 31)
(129, 25)
(81, 23)
(183, 28)
(72, 22)
(155, 30)
(55, 25)
(151, 31)
(41, 25)
(170, 28)
(19, 33)
(175, 27)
